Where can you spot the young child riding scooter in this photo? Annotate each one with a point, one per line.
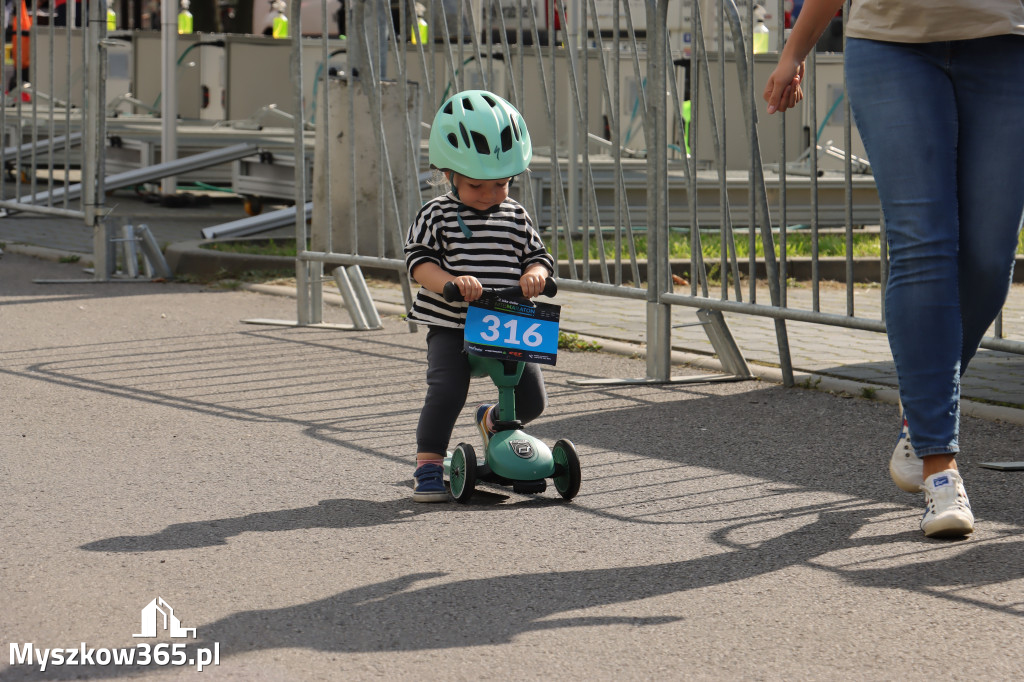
(477, 237)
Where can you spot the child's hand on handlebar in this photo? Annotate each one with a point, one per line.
(532, 282)
(469, 287)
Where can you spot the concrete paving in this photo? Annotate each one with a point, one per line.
(256, 479)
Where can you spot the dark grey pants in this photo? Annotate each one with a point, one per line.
(448, 385)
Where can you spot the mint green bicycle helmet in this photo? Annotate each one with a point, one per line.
(480, 135)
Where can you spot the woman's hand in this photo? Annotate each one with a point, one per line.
(783, 89)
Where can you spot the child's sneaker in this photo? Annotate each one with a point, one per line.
(428, 484)
(947, 512)
(905, 466)
(481, 422)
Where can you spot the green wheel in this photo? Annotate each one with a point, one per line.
(567, 482)
(462, 473)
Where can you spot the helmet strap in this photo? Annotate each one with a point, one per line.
(458, 209)
(462, 223)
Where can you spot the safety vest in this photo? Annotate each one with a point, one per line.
(21, 37)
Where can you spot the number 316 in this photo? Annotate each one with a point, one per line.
(493, 322)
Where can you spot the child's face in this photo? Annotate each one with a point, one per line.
(480, 194)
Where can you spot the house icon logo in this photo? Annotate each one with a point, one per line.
(157, 615)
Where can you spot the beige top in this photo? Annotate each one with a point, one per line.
(922, 21)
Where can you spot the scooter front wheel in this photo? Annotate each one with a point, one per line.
(462, 472)
(568, 475)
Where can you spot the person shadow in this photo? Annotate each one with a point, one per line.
(337, 514)
(421, 611)
(435, 610)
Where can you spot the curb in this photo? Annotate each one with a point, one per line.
(54, 255)
(188, 258)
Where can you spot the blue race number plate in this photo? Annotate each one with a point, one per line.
(512, 329)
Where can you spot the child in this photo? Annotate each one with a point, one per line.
(475, 236)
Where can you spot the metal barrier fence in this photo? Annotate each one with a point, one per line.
(605, 190)
(60, 133)
(644, 116)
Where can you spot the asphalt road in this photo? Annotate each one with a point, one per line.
(257, 480)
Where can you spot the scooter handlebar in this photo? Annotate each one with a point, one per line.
(451, 291)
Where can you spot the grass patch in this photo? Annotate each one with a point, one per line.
(810, 383)
(573, 342)
(233, 280)
(263, 247)
(798, 245)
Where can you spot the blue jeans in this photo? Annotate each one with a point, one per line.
(943, 126)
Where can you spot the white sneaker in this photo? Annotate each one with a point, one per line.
(905, 466)
(947, 512)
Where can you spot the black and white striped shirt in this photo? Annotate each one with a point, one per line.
(503, 244)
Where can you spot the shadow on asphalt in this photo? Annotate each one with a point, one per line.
(804, 438)
(801, 439)
(501, 608)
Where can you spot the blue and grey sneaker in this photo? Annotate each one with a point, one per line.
(428, 484)
(481, 422)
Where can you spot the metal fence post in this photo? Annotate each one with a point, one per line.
(94, 138)
(659, 327)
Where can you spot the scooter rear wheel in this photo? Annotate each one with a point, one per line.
(568, 482)
(462, 472)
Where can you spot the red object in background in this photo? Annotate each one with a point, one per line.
(25, 97)
(559, 12)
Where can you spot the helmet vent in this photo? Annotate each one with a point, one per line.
(506, 138)
(480, 142)
(515, 129)
(490, 101)
(465, 134)
(448, 108)
(467, 104)
(453, 140)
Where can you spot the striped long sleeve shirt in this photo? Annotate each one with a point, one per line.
(503, 244)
